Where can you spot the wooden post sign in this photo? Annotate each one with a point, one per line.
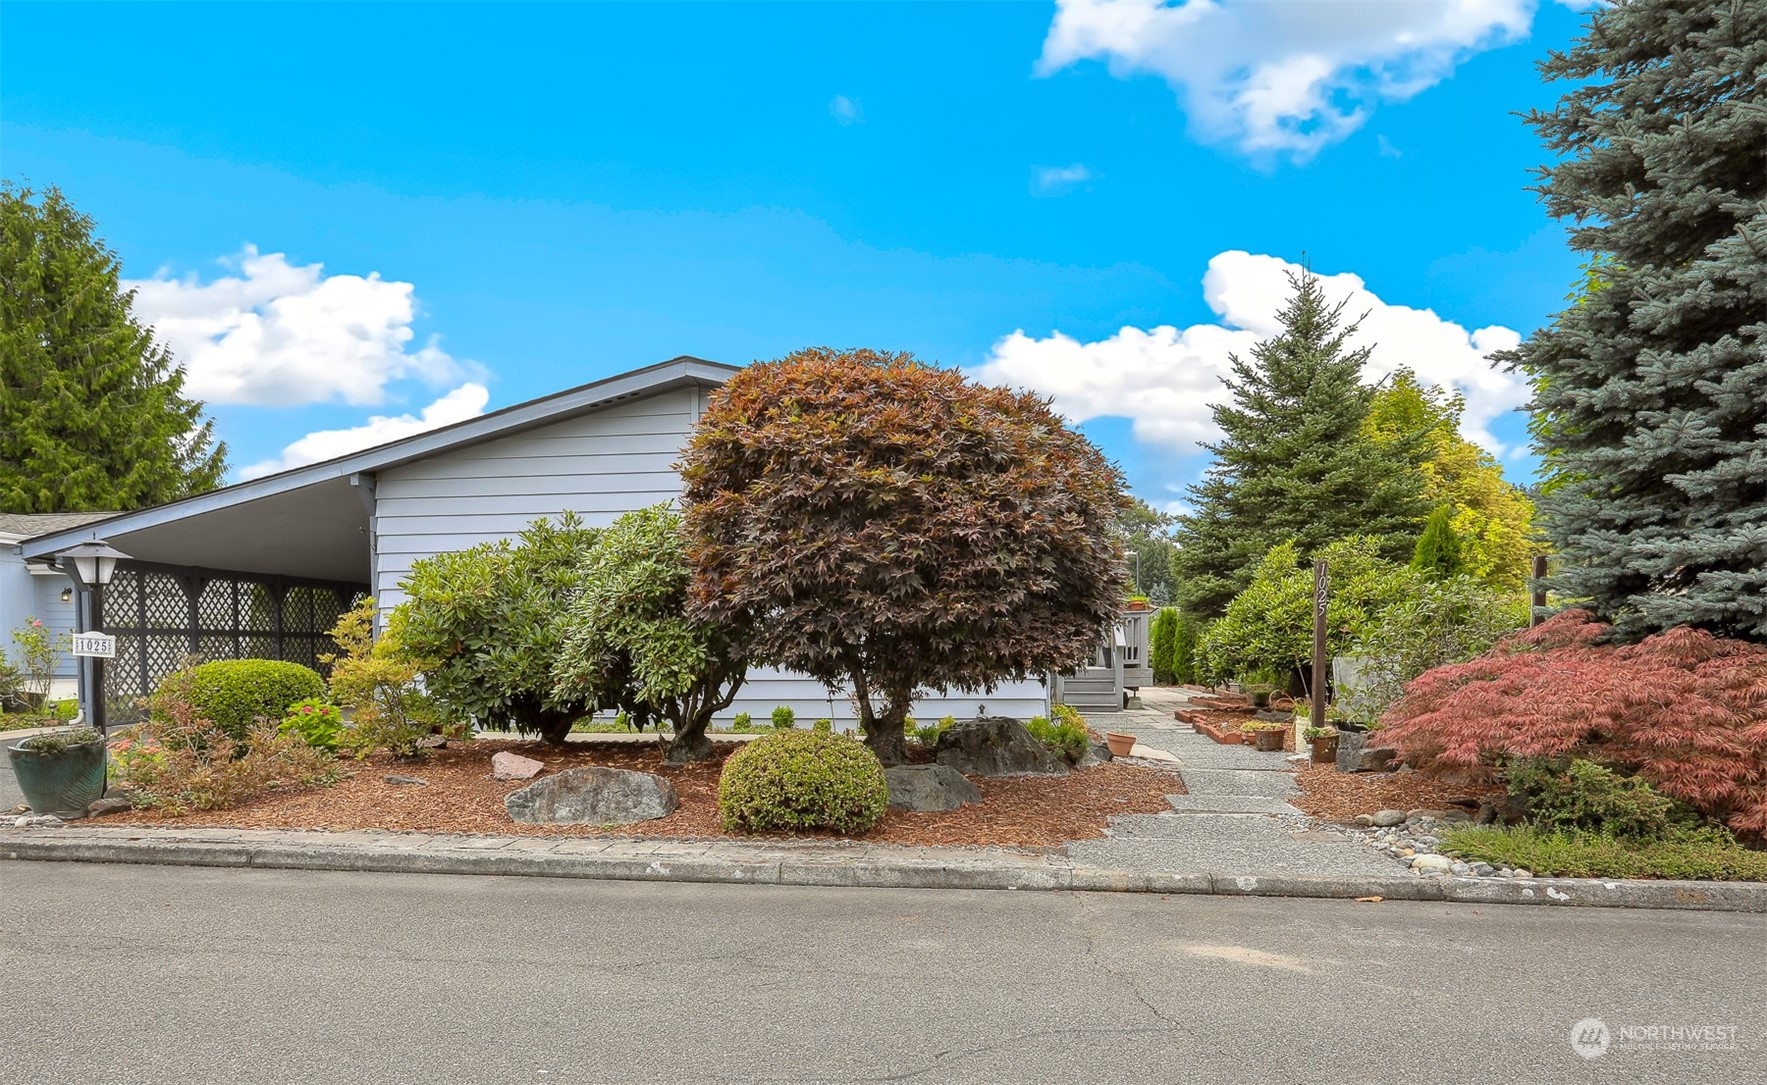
(101, 645)
(1320, 598)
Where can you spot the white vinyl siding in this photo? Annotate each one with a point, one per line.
(599, 465)
(809, 699)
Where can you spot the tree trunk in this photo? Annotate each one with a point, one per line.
(554, 727)
(691, 743)
(885, 732)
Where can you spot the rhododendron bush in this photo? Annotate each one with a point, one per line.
(1685, 710)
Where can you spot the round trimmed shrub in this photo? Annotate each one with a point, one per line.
(802, 780)
(234, 693)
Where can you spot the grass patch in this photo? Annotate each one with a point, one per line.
(1704, 855)
(19, 721)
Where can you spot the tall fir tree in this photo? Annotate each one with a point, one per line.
(1296, 461)
(1650, 393)
(92, 415)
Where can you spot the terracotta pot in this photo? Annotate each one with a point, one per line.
(1268, 740)
(1325, 750)
(1119, 744)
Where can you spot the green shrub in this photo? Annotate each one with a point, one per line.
(1161, 641)
(234, 693)
(57, 741)
(823, 726)
(928, 735)
(743, 723)
(177, 761)
(1185, 637)
(1582, 795)
(1445, 622)
(784, 719)
(1066, 736)
(1269, 625)
(318, 722)
(1696, 854)
(802, 780)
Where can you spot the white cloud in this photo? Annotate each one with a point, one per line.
(279, 334)
(464, 402)
(845, 110)
(1163, 379)
(1282, 76)
(1059, 180)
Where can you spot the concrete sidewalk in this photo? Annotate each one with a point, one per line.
(1234, 817)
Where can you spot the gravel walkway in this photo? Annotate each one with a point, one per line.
(1233, 821)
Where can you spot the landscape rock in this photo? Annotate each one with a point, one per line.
(407, 781)
(1364, 821)
(38, 821)
(433, 742)
(594, 795)
(110, 804)
(1432, 864)
(1386, 818)
(924, 788)
(1350, 745)
(1375, 759)
(513, 766)
(996, 746)
(1097, 753)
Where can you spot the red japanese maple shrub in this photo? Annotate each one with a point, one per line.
(1683, 709)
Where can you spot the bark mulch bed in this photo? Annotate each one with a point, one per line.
(459, 796)
(1340, 796)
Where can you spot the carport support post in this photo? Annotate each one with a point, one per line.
(88, 616)
(1320, 595)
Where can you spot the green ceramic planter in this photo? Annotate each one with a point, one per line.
(63, 782)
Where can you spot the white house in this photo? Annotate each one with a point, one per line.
(263, 568)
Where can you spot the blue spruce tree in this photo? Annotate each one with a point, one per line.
(1650, 393)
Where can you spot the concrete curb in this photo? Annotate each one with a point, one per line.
(774, 863)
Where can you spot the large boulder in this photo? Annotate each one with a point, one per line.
(593, 796)
(1357, 754)
(924, 788)
(996, 746)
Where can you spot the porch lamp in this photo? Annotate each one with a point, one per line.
(91, 564)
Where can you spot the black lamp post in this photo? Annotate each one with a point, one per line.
(91, 564)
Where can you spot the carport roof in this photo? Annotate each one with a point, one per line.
(312, 522)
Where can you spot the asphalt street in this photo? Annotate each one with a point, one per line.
(120, 974)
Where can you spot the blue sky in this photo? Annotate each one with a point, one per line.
(411, 212)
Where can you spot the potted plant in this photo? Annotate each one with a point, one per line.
(1324, 741)
(61, 772)
(1120, 744)
(1261, 686)
(1265, 736)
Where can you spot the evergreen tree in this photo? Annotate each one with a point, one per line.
(1184, 640)
(1492, 518)
(1161, 641)
(91, 415)
(1146, 534)
(1296, 462)
(1438, 549)
(1650, 393)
